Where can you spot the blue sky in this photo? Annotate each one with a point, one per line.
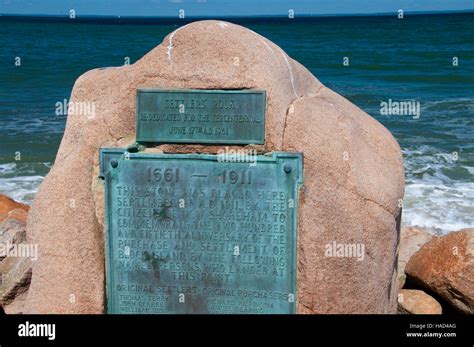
(224, 7)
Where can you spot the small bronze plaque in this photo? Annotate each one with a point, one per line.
(190, 233)
(201, 116)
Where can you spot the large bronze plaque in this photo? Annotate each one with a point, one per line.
(190, 233)
(201, 116)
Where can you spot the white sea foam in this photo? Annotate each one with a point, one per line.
(433, 198)
(7, 168)
(21, 189)
(20, 182)
(439, 207)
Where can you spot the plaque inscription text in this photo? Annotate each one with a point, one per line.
(201, 116)
(187, 233)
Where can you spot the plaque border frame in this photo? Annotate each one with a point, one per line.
(259, 141)
(106, 155)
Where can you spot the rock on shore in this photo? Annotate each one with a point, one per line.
(15, 270)
(411, 240)
(9, 208)
(445, 266)
(412, 301)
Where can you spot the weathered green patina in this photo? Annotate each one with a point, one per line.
(195, 233)
(201, 116)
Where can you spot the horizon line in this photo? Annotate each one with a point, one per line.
(307, 15)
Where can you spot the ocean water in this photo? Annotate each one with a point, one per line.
(389, 59)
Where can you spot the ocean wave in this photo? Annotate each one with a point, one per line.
(429, 164)
(21, 188)
(20, 181)
(451, 104)
(8, 168)
(439, 191)
(439, 208)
